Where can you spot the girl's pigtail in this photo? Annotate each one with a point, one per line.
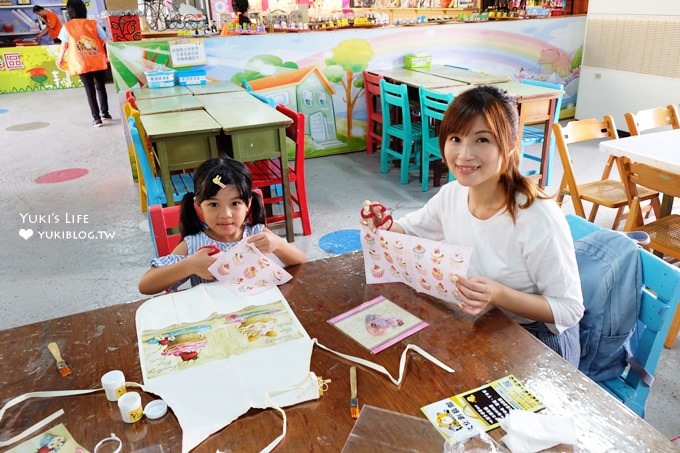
(189, 221)
(257, 214)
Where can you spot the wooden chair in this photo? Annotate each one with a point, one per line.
(267, 173)
(604, 192)
(652, 119)
(398, 129)
(373, 109)
(151, 187)
(664, 232)
(660, 296)
(532, 135)
(433, 105)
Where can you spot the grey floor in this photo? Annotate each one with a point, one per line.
(43, 278)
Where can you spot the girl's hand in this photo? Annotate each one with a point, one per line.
(266, 242)
(476, 293)
(375, 216)
(199, 263)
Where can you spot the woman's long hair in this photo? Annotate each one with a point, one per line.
(499, 112)
(76, 9)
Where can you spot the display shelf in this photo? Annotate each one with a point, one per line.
(49, 5)
(19, 33)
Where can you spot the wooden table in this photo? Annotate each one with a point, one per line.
(480, 350)
(153, 93)
(183, 141)
(462, 75)
(536, 106)
(659, 149)
(215, 87)
(414, 79)
(169, 104)
(257, 132)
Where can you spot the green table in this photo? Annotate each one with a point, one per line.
(169, 104)
(257, 132)
(414, 78)
(152, 93)
(183, 141)
(215, 87)
(462, 75)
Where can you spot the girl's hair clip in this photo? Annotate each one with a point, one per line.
(218, 180)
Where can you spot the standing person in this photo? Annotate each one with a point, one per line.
(83, 46)
(240, 7)
(222, 211)
(523, 258)
(51, 21)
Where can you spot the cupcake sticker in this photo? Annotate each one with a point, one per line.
(437, 256)
(418, 251)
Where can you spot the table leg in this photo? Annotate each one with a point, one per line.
(287, 208)
(666, 205)
(162, 151)
(547, 138)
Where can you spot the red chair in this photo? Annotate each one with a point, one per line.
(267, 173)
(374, 114)
(165, 228)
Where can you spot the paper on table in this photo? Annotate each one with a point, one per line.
(431, 267)
(244, 269)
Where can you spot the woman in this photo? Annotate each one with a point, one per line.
(523, 260)
(82, 45)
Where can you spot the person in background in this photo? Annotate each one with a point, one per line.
(240, 8)
(222, 211)
(51, 21)
(83, 48)
(523, 259)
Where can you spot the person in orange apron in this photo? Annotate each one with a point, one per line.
(83, 49)
(51, 21)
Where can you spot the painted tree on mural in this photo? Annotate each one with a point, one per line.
(344, 67)
(260, 66)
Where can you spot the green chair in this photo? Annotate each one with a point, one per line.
(535, 135)
(433, 105)
(401, 138)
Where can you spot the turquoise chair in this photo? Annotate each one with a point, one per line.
(433, 105)
(534, 135)
(660, 297)
(398, 128)
(181, 183)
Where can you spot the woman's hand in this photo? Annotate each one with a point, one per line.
(476, 293)
(375, 216)
(199, 263)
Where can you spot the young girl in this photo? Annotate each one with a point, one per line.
(523, 260)
(222, 211)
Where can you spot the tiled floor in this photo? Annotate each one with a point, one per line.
(43, 278)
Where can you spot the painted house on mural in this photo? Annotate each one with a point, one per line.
(308, 91)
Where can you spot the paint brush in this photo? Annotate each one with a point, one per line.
(62, 367)
(354, 401)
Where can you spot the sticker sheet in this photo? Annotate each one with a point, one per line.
(246, 270)
(430, 267)
(57, 439)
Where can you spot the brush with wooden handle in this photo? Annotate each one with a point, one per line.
(62, 367)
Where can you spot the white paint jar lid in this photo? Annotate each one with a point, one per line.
(155, 409)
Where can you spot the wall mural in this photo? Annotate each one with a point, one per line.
(320, 74)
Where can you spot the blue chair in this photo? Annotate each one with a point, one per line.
(433, 105)
(398, 129)
(181, 183)
(660, 297)
(535, 135)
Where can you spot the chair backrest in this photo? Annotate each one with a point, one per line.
(659, 300)
(372, 87)
(579, 131)
(652, 119)
(246, 85)
(165, 226)
(655, 178)
(261, 97)
(130, 111)
(433, 106)
(296, 132)
(396, 96)
(154, 190)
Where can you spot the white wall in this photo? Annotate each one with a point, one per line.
(611, 91)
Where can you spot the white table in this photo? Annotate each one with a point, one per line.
(659, 149)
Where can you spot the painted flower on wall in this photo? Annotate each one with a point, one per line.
(38, 75)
